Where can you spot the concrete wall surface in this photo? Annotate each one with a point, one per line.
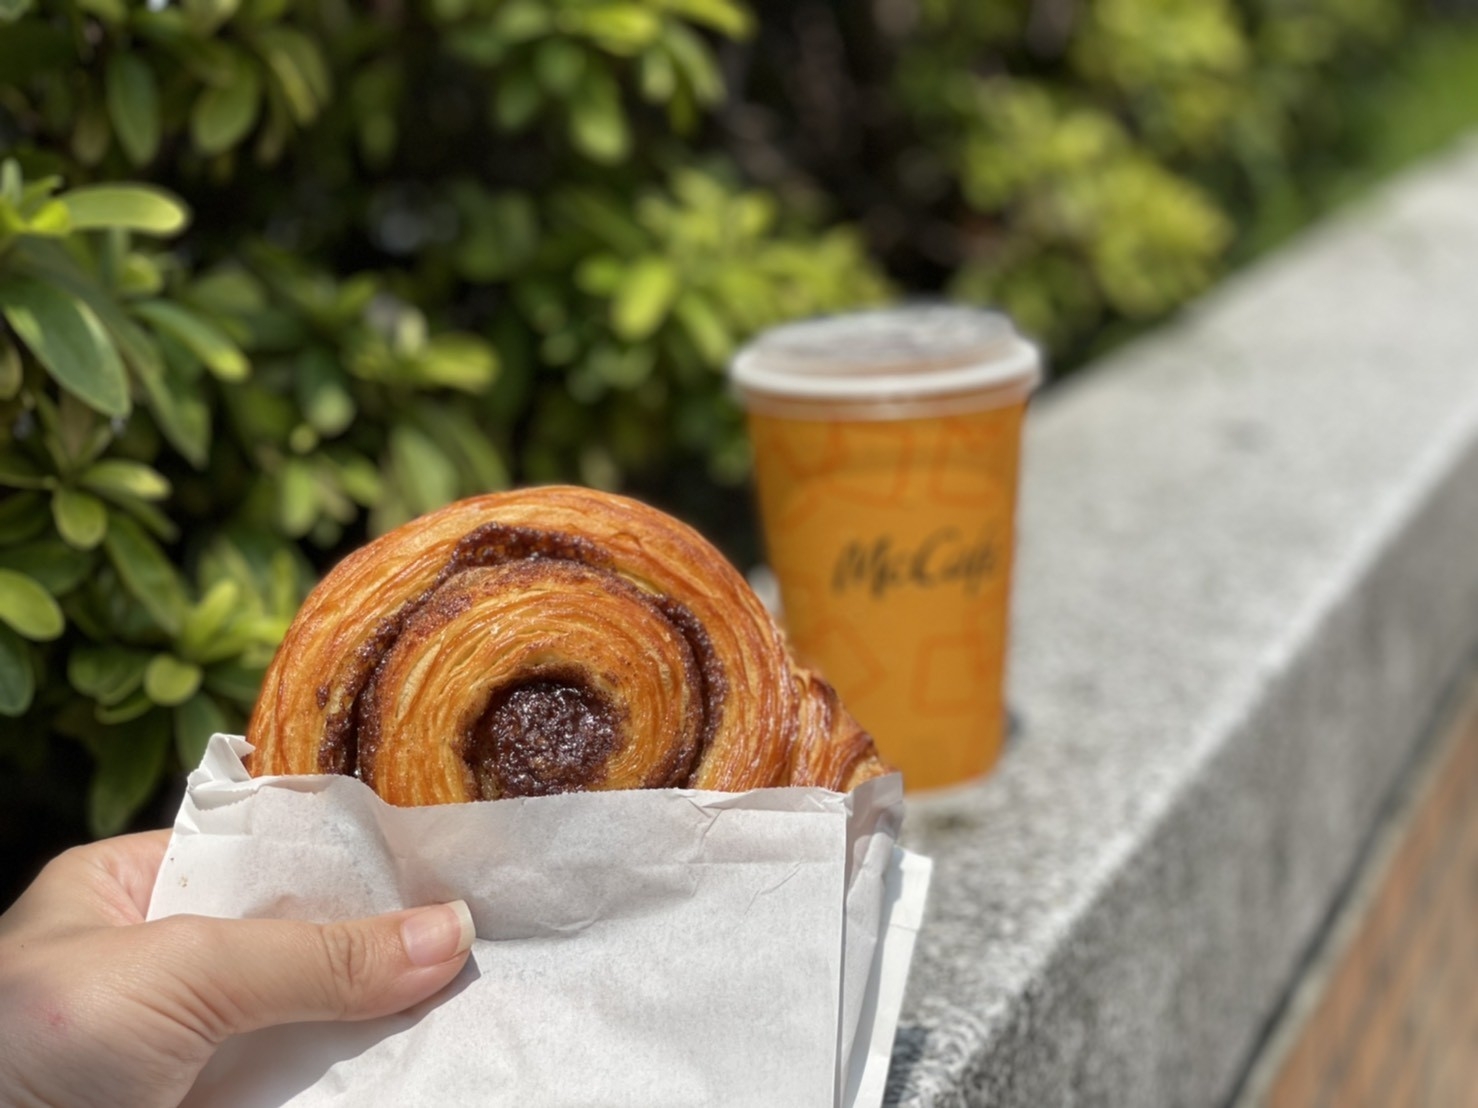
(1248, 572)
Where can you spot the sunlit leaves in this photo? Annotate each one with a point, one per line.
(224, 114)
(67, 338)
(643, 298)
(169, 681)
(121, 477)
(127, 207)
(106, 674)
(27, 608)
(198, 425)
(297, 69)
(199, 335)
(146, 572)
(81, 519)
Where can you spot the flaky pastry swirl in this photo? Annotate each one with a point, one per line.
(542, 641)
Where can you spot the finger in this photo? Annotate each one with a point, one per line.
(232, 976)
(132, 863)
(107, 882)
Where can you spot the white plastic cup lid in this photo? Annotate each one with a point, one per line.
(911, 351)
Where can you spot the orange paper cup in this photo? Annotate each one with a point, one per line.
(886, 447)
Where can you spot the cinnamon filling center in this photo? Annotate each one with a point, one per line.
(542, 736)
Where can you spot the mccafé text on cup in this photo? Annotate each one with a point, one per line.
(886, 446)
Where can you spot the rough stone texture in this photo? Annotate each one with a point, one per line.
(1248, 570)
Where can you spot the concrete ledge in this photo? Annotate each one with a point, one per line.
(1248, 570)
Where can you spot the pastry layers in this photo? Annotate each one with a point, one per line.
(543, 641)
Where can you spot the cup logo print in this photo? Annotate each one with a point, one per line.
(943, 558)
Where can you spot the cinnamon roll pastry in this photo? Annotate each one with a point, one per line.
(544, 641)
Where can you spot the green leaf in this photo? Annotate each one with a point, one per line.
(180, 410)
(644, 298)
(201, 337)
(176, 405)
(110, 11)
(623, 29)
(207, 15)
(597, 122)
(69, 341)
(143, 208)
(294, 60)
(170, 681)
(500, 236)
(19, 472)
(52, 218)
(523, 20)
(559, 63)
(80, 517)
(477, 460)
(108, 674)
(74, 436)
(23, 515)
(658, 77)
(234, 681)
(129, 762)
(704, 327)
(692, 57)
(211, 61)
(223, 115)
(159, 524)
(139, 275)
(323, 393)
(146, 572)
(58, 567)
(723, 16)
(133, 105)
(603, 216)
(457, 361)
(195, 721)
(120, 477)
(517, 100)
(358, 478)
(17, 681)
(12, 10)
(28, 608)
(297, 498)
(91, 134)
(206, 620)
(12, 373)
(129, 708)
(425, 475)
(229, 291)
(240, 637)
(600, 275)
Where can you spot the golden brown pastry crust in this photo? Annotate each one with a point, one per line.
(546, 640)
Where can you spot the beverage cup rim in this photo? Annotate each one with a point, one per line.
(1020, 365)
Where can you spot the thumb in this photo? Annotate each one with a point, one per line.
(233, 976)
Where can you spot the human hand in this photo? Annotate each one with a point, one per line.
(98, 1007)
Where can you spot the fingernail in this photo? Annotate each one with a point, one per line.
(434, 935)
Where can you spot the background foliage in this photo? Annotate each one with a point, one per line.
(276, 274)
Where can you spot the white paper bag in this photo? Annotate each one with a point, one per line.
(645, 948)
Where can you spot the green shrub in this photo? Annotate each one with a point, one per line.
(277, 274)
(1086, 165)
(434, 247)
